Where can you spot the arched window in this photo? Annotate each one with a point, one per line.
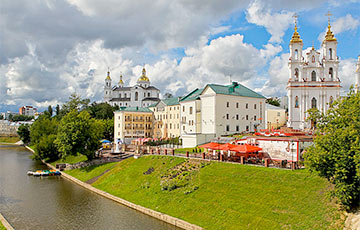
(313, 59)
(125, 95)
(313, 102)
(296, 54)
(136, 96)
(313, 75)
(331, 73)
(296, 102)
(296, 74)
(330, 54)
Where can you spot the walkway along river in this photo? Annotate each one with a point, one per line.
(56, 203)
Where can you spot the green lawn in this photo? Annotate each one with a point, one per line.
(85, 174)
(227, 196)
(71, 159)
(2, 226)
(9, 139)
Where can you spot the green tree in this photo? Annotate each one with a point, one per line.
(24, 133)
(57, 110)
(315, 116)
(273, 101)
(335, 154)
(1, 117)
(75, 103)
(108, 129)
(101, 110)
(20, 117)
(79, 133)
(50, 110)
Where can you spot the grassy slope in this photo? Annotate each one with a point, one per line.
(2, 226)
(229, 196)
(85, 174)
(9, 139)
(70, 159)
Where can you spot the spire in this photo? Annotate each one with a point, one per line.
(121, 83)
(296, 37)
(108, 74)
(329, 34)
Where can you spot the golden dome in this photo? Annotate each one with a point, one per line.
(296, 37)
(108, 76)
(143, 76)
(121, 80)
(329, 35)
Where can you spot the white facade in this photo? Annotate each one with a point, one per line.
(313, 80)
(140, 95)
(219, 110)
(275, 117)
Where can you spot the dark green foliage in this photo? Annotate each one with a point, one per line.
(108, 129)
(24, 133)
(335, 154)
(75, 103)
(1, 117)
(50, 110)
(20, 117)
(101, 111)
(273, 101)
(57, 110)
(46, 148)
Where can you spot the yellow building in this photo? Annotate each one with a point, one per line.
(275, 117)
(131, 123)
(166, 118)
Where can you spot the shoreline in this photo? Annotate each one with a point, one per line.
(4, 222)
(158, 215)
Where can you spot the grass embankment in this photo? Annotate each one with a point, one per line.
(222, 196)
(190, 150)
(9, 139)
(71, 159)
(85, 174)
(2, 226)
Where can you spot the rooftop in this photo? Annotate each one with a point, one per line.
(134, 109)
(235, 89)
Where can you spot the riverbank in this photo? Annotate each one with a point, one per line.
(8, 140)
(4, 224)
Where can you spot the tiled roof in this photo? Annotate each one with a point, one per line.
(235, 89)
(192, 95)
(171, 101)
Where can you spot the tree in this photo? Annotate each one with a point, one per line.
(108, 129)
(50, 110)
(273, 101)
(1, 117)
(20, 117)
(24, 133)
(79, 133)
(335, 154)
(57, 110)
(75, 103)
(101, 111)
(315, 116)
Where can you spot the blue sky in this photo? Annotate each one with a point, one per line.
(53, 48)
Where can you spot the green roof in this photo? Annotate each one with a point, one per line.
(153, 105)
(192, 95)
(134, 109)
(171, 101)
(235, 89)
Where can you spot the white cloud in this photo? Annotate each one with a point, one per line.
(347, 69)
(275, 23)
(346, 23)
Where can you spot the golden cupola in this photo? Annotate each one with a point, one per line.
(296, 36)
(121, 82)
(143, 76)
(108, 76)
(329, 35)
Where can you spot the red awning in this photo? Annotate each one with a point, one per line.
(211, 145)
(227, 147)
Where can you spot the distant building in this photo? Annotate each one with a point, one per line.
(275, 117)
(166, 118)
(284, 102)
(27, 110)
(357, 75)
(217, 110)
(143, 94)
(131, 123)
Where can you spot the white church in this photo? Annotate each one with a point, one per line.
(314, 81)
(140, 95)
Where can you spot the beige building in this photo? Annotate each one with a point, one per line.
(166, 118)
(131, 123)
(275, 117)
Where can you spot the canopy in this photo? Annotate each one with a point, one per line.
(105, 141)
(246, 148)
(228, 146)
(211, 145)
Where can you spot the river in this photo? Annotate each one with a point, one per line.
(29, 202)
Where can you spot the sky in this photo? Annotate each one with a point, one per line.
(50, 49)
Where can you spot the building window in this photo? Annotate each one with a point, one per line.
(237, 104)
(144, 94)
(313, 102)
(227, 104)
(136, 96)
(313, 59)
(254, 106)
(331, 73)
(246, 106)
(184, 127)
(227, 116)
(191, 110)
(237, 128)
(148, 94)
(330, 54)
(296, 54)
(255, 118)
(183, 108)
(237, 116)
(125, 95)
(313, 75)
(247, 128)
(247, 117)
(278, 114)
(227, 128)
(296, 102)
(296, 74)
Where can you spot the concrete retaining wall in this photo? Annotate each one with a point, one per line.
(158, 215)
(6, 224)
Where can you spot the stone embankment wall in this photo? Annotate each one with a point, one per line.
(8, 129)
(158, 215)
(6, 224)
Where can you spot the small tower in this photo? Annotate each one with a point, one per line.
(357, 75)
(121, 83)
(107, 88)
(295, 60)
(143, 81)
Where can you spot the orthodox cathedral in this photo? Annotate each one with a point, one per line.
(313, 80)
(140, 95)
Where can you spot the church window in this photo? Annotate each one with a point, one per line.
(227, 104)
(330, 54)
(331, 73)
(120, 95)
(313, 59)
(246, 105)
(296, 74)
(136, 96)
(254, 106)
(125, 95)
(296, 102)
(237, 104)
(144, 94)
(106, 92)
(227, 128)
(313, 76)
(313, 102)
(296, 54)
(148, 94)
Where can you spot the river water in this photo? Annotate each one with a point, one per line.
(29, 202)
